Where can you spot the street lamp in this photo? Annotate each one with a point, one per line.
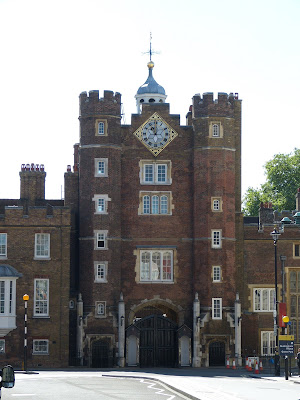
(25, 298)
(275, 235)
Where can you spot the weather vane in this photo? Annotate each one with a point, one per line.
(150, 52)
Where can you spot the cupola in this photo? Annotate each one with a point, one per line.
(150, 91)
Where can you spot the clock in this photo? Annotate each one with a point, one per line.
(155, 134)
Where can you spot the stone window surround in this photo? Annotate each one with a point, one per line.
(104, 232)
(142, 194)
(216, 235)
(220, 203)
(97, 304)
(106, 200)
(97, 174)
(221, 129)
(97, 129)
(216, 308)
(219, 273)
(97, 278)
(155, 164)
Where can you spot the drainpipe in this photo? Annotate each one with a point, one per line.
(196, 332)
(79, 341)
(238, 330)
(121, 329)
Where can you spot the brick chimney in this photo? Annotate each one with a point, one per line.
(266, 214)
(32, 180)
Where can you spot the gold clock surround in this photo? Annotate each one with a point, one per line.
(167, 136)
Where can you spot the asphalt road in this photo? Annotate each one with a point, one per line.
(86, 386)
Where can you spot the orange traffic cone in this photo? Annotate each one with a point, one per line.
(256, 367)
(233, 364)
(246, 364)
(249, 365)
(260, 366)
(227, 363)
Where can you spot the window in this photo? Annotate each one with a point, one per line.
(215, 129)
(156, 266)
(264, 300)
(216, 237)
(42, 245)
(3, 244)
(41, 297)
(2, 346)
(216, 308)
(155, 203)
(100, 240)
(100, 271)
(40, 346)
(154, 173)
(100, 309)
(296, 250)
(101, 202)
(216, 204)
(101, 167)
(101, 128)
(267, 343)
(216, 274)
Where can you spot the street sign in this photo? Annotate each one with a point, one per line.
(286, 337)
(286, 345)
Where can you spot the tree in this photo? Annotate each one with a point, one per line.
(282, 182)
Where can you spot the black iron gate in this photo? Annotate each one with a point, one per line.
(216, 354)
(100, 354)
(158, 342)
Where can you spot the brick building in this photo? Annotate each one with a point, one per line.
(148, 261)
(159, 230)
(34, 260)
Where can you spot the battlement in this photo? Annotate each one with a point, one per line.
(91, 103)
(207, 105)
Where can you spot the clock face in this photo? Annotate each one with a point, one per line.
(155, 134)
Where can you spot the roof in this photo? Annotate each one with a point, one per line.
(7, 271)
(151, 86)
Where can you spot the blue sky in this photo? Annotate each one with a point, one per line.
(51, 51)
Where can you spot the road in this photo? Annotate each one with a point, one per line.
(86, 386)
(204, 384)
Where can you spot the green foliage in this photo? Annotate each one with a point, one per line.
(282, 181)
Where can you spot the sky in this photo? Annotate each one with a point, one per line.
(51, 51)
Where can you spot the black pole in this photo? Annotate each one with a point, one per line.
(277, 357)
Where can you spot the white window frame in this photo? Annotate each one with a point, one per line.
(266, 299)
(98, 239)
(150, 271)
(155, 203)
(103, 123)
(216, 204)
(216, 273)
(8, 296)
(44, 251)
(40, 297)
(104, 173)
(100, 268)
(215, 129)
(268, 343)
(3, 245)
(216, 308)
(42, 347)
(216, 238)
(105, 199)
(154, 167)
(2, 346)
(100, 306)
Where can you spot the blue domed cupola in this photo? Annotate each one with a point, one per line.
(150, 91)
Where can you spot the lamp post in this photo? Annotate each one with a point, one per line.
(25, 298)
(275, 235)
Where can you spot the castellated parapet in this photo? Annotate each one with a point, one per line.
(91, 104)
(222, 106)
